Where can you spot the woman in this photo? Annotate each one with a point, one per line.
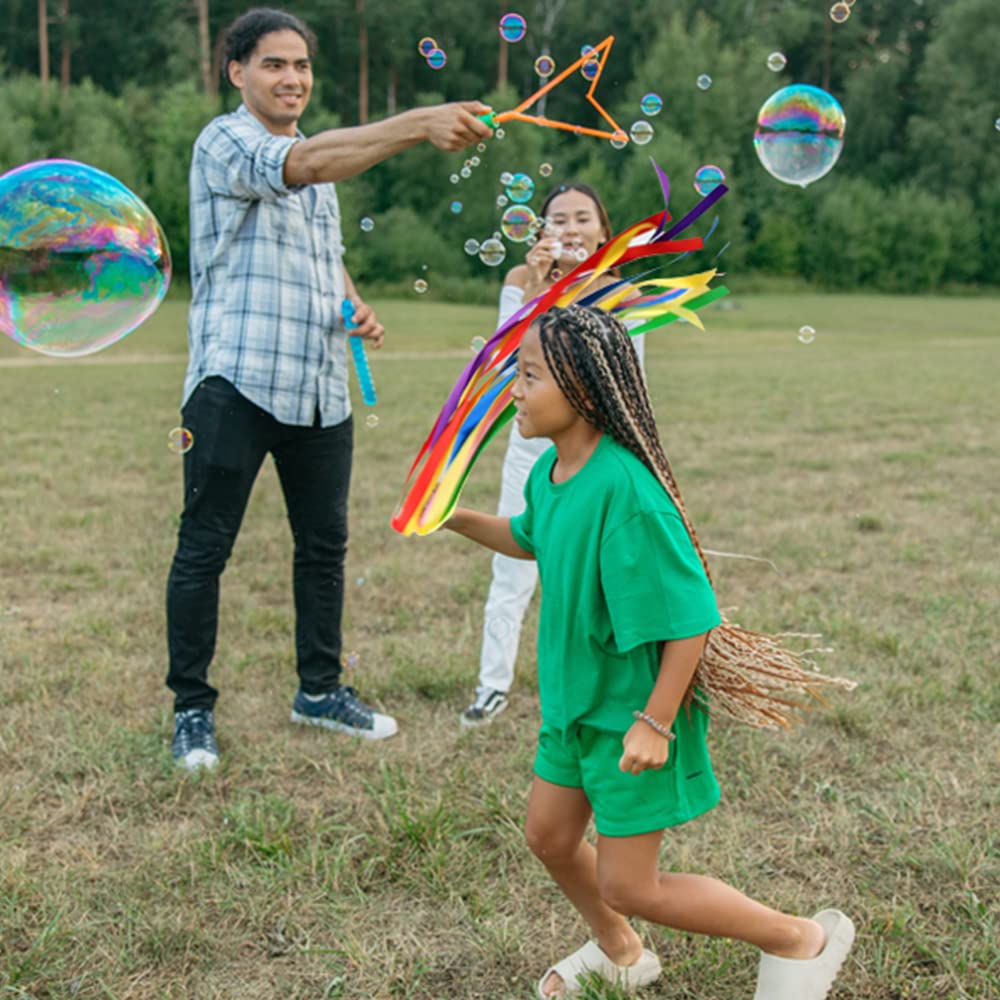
(576, 225)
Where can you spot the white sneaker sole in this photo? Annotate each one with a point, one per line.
(385, 726)
(197, 760)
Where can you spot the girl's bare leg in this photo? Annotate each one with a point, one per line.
(557, 819)
(630, 883)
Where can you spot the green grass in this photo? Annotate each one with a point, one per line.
(864, 465)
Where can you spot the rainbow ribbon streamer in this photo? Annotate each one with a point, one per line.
(480, 403)
(358, 353)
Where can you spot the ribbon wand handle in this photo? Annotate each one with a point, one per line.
(358, 353)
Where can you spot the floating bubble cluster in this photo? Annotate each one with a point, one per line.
(708, 178)
(492, 252)
(641, 132)
(651, 104)
(800, 133)
(83, 261)
(512, 27)
(776, 62)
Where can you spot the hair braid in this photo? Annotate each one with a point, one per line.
(745, 674)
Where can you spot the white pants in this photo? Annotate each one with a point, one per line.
(513, 580)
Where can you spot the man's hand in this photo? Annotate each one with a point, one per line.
(454, 126)
(368, 326)
(644, 748)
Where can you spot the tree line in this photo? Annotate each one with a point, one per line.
(912, 205)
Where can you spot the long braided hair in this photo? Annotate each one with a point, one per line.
(744, 674)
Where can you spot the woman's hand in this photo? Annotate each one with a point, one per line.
(644, 748)
(540, 259)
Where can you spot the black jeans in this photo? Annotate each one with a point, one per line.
(231, 438)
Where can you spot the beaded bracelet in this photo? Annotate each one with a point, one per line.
(658, 726)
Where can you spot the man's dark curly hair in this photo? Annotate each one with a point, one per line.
(246, 31)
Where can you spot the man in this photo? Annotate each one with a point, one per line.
(267, 371)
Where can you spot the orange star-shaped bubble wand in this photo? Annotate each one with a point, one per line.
(598, 53)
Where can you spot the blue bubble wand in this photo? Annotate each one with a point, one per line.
(358, 352)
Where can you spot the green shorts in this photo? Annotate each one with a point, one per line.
(626, 805)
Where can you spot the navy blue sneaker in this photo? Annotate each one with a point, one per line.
(344, 711)
(194, 744)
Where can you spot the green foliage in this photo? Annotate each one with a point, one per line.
(917, 82)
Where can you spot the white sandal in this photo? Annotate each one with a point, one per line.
(807, 978)
(590, 959)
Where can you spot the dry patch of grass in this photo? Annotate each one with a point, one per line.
(864, 466)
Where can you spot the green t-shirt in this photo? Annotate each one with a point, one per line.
(619, 574)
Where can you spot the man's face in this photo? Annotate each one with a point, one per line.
(276, 80)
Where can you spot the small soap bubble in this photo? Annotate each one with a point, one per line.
(839, 13)
(512, 27)
(83, 262)
(496, 234)
(180, 440)
(555, 274)
(651, 104)
(581, 254)
(353, 659)
(427, 46)
(465, 172)
(502, 200)
(480, 147)
(585, 50)
(471, 247)
(641, 132)
(545, 66)
(423, 267)
(367, 224)
(475, 161)
(704, 81)
(468, 163)
(499, 628)
(708, 178)
(518, 223)
(619, 140)
(456, 207)
(506, 177)
(492, 252)
(436, 58)
(371, 420)
(498, 133)
(520, 188)
(545, 169)
(420, 286)
(589, 68)
(776, 62)
(996, 124)
(454, 178)
(477, 344)
(807, 334)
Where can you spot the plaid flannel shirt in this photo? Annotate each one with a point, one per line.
(267, 277)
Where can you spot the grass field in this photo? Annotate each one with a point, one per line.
(865, 465)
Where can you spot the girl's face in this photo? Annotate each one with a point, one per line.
(573, 216)
(542, 409)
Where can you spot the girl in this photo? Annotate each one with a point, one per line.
(577, 221)
(627, 610)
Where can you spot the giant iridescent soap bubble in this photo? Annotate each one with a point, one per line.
(800, 132)
(83, 261)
